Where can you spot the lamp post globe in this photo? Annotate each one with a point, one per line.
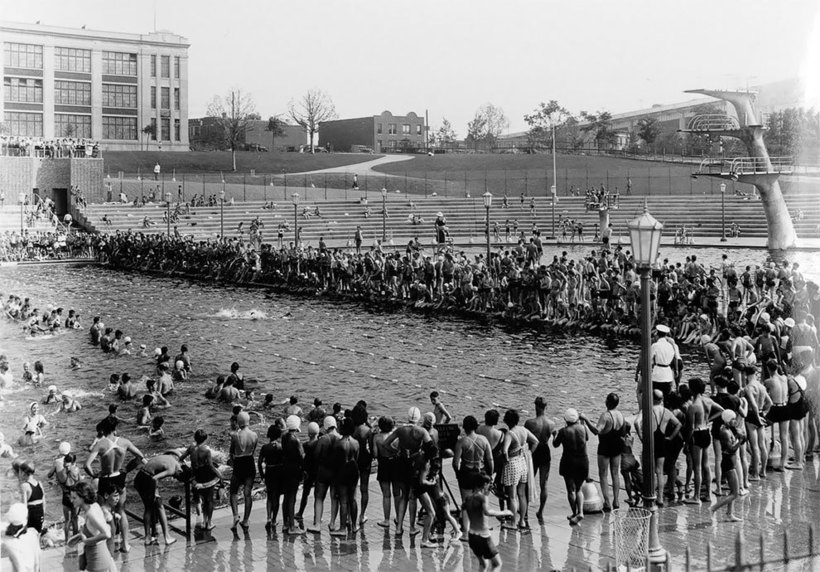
(384, 214)
(295, 199)
(488, 202)
(21, 198)
(222, 214)
(168, 214)
(723, 212)
(645, 238)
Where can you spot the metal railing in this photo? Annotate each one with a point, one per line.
(185, 514)
(738, 166)
(713, 122)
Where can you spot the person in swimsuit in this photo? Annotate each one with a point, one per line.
(95, 532)
(543, 428)
(345, 456)
(477, 509)
(111, 450)
(68, 476)
(309, 469)
(324, 474)
(759, 404)
(386, 457)
(610, 446)
(472, 457)
(145, 483)
(33, 495)
(364, 436)
(33, 425)
(731, 440)
(700, 413)
(243, 447)
(411, 437)
(21, 545)
(665, 427)
(271, 458)
(497, 438)
(574, 465)
(777, 386)
(206, 476)
(519, 442)
(798, 408)
(293, 458)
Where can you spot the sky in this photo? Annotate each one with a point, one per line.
(449, 57)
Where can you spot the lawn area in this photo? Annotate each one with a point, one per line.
(220, 161)
(532, 174)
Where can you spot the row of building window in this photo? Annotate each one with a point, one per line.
(30, 56)
(79, 126)
(165, 98)
(165, 66)
(23, 90)
(405, 129)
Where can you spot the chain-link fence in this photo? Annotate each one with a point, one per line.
(639, 181)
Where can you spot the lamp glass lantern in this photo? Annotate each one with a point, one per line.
(21, 198)
(645, 236)
(384, 192)
(222, 195)
(723, 188)
(168, 198)
(295, 198)
(488, 199)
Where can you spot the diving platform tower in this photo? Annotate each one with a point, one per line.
(758, 169)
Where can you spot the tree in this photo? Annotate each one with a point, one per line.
(276, 126)
(648, 129)
(477, 130)
(542, 120)
(310, 110)
(233, 114)
(600, 125)
(254, 117)
(150, 130)
(445, 135)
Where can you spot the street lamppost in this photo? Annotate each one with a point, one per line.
(295, 198)
(645, 237)
(168, 214)
(384, 215)
(723, 212)
(21, 198)
(488, 201)
(554, 191)
(222, 214)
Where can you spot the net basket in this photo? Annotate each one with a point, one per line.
(631, 527)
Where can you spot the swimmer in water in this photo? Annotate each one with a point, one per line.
(75, 363)
(28, 377)
(143, 351)
(213, 392)
(157, 433)
(33, 425)
(52, 397)
(179, 373)
(6, 450)
(144, 412)
(69, 405)
(113, 382)
(126, 389)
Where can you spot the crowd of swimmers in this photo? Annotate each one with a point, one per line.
(599, 291)
(45, 245)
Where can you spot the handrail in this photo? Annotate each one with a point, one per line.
(713, 122)
(186, 514)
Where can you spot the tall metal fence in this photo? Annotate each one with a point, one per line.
(651, 180)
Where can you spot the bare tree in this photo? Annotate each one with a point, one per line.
(310, 110)
(233, 113)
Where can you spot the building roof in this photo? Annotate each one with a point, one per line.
(161, 37)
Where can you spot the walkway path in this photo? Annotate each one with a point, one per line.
(362, 168)
(785, 501)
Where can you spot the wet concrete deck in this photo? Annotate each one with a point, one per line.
(787, 501)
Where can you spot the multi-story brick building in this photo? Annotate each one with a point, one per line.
(105, 86)
(382, 133)
(207, 133)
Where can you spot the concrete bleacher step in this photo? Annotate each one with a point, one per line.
(465, 216)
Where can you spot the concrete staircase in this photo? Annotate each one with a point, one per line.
(10, 221)
(465, 217)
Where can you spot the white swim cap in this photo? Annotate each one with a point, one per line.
(293, 423)
(313, 428)
(158, 352)
(17, 514)
(127, 340)
(413, 415)
(180, 364)
(64, 448)
(571, 415)
(52, 388)
(728, 416)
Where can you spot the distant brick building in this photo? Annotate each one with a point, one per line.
(206, 133)
(381, 133)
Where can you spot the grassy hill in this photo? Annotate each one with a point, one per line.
(220, 161)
